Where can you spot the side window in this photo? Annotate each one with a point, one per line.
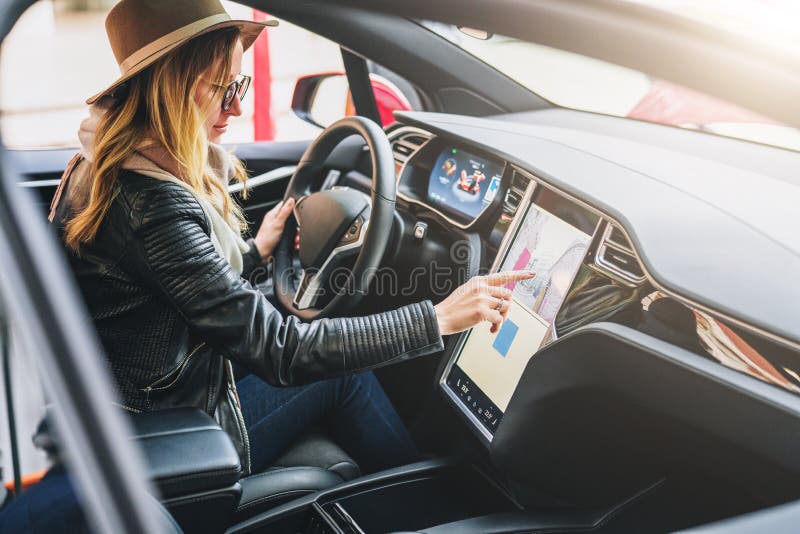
(289, 59)
(28, 403)
(62, 45)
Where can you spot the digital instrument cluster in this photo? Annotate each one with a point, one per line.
(455, 183)
(462, 183)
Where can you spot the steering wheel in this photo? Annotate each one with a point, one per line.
(334, 225)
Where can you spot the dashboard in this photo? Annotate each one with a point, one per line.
(589, 270)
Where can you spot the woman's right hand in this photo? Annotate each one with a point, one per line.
(481, 298)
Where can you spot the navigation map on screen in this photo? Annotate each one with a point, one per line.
(490, 365)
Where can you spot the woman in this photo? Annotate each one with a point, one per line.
(154, 240)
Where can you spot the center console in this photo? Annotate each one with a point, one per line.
(550, 235)
(433, 497)
(406, 499)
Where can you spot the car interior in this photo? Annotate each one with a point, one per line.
(646, 379)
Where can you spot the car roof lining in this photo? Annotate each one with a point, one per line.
(429, 61)
(751, 74)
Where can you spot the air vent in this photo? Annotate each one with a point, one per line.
(405, 143)
(616, 237)
(512, 200)
(515, 193)
(416, 139)
(519, 182)
(616, 257)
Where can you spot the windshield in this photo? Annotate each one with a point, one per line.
(772, 22)
(588, 84)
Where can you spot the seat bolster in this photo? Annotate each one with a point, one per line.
(278, 485)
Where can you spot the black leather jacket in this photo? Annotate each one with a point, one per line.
(170, 313)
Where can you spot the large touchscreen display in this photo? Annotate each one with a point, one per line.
(489, 366)
(462, 183)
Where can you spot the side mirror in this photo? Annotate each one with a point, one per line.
(322, 99)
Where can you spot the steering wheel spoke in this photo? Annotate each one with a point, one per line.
(308, 289)
(314, 282)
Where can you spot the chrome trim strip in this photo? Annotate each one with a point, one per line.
(265, 178)
(612, 275)
(614, 244)
(252, 183)
(33, 184)
(348, 518)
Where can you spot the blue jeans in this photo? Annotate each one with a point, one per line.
(353, 408)
(49, 507)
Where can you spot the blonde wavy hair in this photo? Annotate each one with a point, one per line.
(158, 105)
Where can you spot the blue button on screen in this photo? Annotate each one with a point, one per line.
(505, 337)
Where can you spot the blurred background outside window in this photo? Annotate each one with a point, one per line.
(58, 55)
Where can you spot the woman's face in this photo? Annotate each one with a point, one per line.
(217, 120)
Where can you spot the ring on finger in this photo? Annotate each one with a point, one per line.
(500, 303)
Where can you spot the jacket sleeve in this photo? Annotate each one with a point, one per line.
(172, 251)
(252, 266)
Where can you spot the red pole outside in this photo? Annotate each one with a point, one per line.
(263, 124)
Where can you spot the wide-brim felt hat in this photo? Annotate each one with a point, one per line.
(142, 31)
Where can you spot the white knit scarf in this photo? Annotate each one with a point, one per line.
(225, 234)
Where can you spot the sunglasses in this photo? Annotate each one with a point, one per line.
(239, 87)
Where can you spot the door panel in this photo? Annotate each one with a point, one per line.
(41, 170)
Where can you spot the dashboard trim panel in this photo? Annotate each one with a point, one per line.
(605, 226)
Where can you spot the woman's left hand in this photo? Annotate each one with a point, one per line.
(269, 233)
